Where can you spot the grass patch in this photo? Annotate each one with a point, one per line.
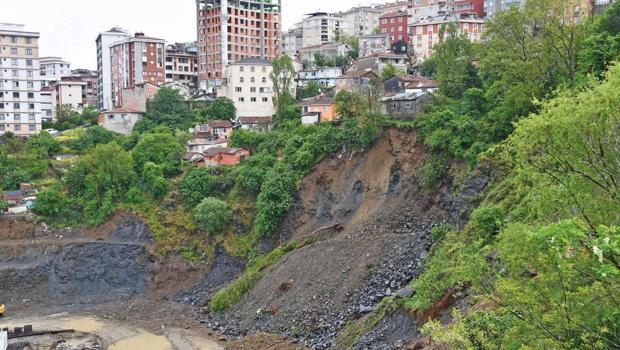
(230, 295)
(354, 330)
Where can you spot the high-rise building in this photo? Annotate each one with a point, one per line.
(53, 69)
(491, 7)
(395, 24)
(360, 21)
(322, 28)
(229, 31)
(104, 73)
(600, 6)
(69, 92)
(91, 78)
(20, 84)
(293, 40)
(425, 33)
(396, 6)
(182, 64)
(136, 60)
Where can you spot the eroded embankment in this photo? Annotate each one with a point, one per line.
(312, 292)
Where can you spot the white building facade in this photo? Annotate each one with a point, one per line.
(69, 92)
(361, 20)
(104, 70)
(322, 28)
(20, 84)
(53, 69)
(293, 40)
(248, 85)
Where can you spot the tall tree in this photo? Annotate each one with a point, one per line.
(282, 77)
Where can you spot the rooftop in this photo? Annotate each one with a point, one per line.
(252, 61)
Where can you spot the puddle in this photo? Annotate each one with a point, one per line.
(87, 325)
(142, 341)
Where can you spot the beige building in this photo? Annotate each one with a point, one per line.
(20, 84)
(322, 28)
(69, 91)
(182, 64)
(247, 83)
(362, 20)
(425, 33)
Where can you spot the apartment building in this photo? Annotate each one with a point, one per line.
(104, 72)
(90, 78)
(329, 50)
(68, 91)
(396, 6)
(374, 43)
(491, 7)
(395, 24)
(321, 28)
(599, 6)
(293, 40)
(136, 60)
(421, 9)
(20, 84)
(247, 83)
(229, 31)
(425, 33)
(53, 69)
(46, 104)
(362, 20)
(182, 64)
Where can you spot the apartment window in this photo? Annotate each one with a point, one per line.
(238, 89)
(14, 39)
(16, 106)
(16, 84)
(241, 99)
(264, 80)
(18, 127)
(31, 106)
(252, 69)
(29, 52)
(242, 80)
(253, 99)
(13, 51)
(265, 99)
(15, 73)
(16, 95)
(30, 85)
(29, 74)
(264, 69)
(30, 116)
(253, 89)
(14, 61)
(32, 127)
(252, 79)
(30, 95)
(241, 69)
(2, 128)
(29, 41)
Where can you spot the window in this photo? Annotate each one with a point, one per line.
(30, 95)
(252, 80)
(253, 99)
(14, 61)
(2, 128)
(13, 51)
(13, 39)
(264, 80)
(29, 74)
(32, 127)
(265, 99)
(31, 106)
(16, 84)
(16, 95)
(253, 89)
(15, 105)
(28, 40)
(242, 80)
(30, 85)
(241, 69)
(252, 69)
(15, 73)
(241, 99)
(264, 69)
(18, 127)
(30, 116)
(238, 89)
(29, 52)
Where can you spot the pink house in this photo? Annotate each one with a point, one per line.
(222, 156)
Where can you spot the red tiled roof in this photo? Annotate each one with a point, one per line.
(220, 124)
(212, 152)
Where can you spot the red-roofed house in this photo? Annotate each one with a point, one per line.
(222, 156)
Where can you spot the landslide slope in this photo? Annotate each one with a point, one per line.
(314, 291)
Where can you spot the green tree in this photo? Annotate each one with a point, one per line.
(162, 149)
(320, 60)
(213, 215)
(50, 203)
(282, 77)
(354, 45)
(454, 56)
(93, 136)
(311, 90)
(220, 109)
(153, 180)
(167, 109)
(391, 71)
(44, 145)
(275, 198)
(198, 184)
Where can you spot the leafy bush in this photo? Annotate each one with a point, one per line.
(162, 149)
(275, 198)
(488, 220)
(153, 180)
(213, 215)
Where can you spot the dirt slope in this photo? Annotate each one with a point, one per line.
(387, 220)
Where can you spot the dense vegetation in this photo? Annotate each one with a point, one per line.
(539, 259)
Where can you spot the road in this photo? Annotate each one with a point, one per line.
(120, 336)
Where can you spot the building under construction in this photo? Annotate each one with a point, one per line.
(231, 30)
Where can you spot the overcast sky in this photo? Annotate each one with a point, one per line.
(69, 27)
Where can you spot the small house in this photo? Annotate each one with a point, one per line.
(222, 156)
(318, 109)
(120, 120)
(254, 123)
(355, 81)
(405, 105)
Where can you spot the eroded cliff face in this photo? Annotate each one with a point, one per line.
(387, 220)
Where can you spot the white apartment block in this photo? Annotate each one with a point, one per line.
(247, 84)
(293, 40)
(322, 28)
(53, 69)
(20, 84)
(182, 64)
(46, 104)
(104, 65)
(360, 21)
